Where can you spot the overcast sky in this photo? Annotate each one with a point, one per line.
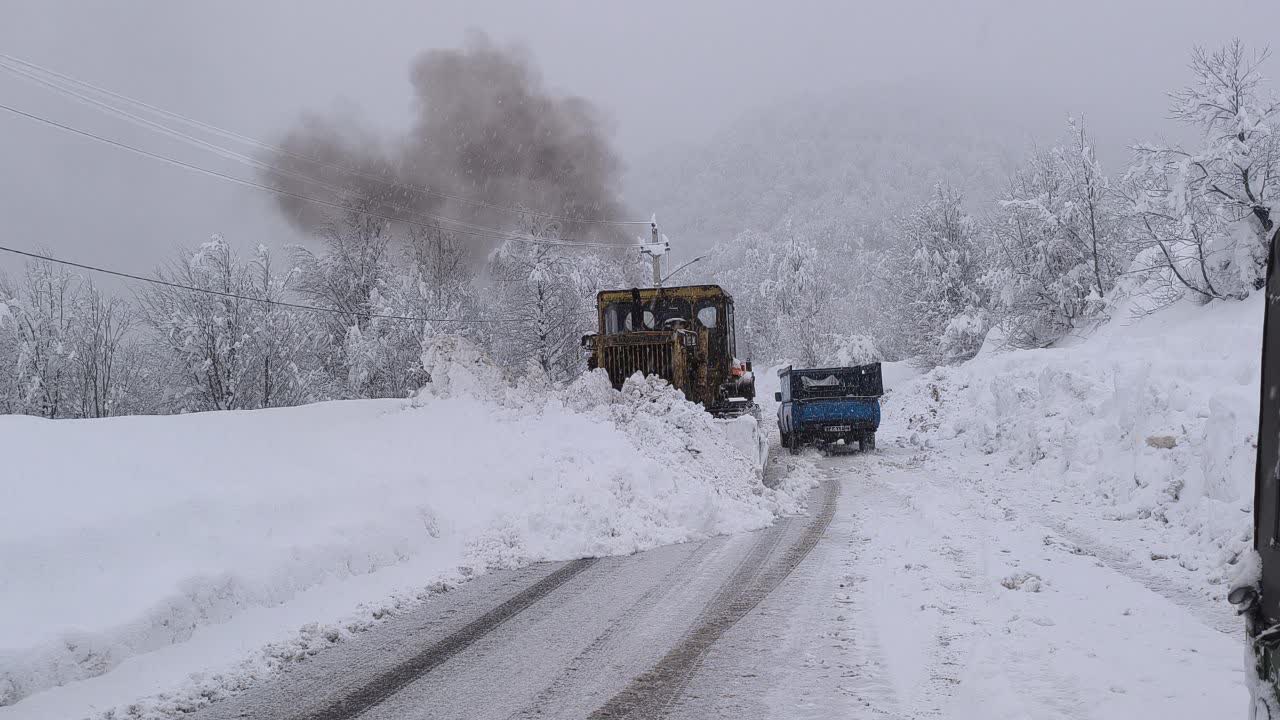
(664, 72)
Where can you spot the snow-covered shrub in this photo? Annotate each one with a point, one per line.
(963, 335)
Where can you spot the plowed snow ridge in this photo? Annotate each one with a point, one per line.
(186, 544)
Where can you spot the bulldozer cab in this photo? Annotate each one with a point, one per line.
(682, 334)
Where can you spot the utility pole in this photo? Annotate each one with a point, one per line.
(655, 251)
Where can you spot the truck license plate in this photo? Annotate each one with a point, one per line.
(837, 428)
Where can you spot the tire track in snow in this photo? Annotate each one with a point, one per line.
(1081, 542)
(397, 677)
(650, 694)
(867, 677)
(598, 652)
(959, 632)
(1221, 619)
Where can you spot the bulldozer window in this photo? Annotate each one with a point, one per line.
(648, 321)
(617, 318)
(669, 308)
(733, 342)
(612, 319)
(708, 316)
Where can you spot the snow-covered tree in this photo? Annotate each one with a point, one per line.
(354, 262)
(803, 296)
(742, 266)
(63, 347)
(41, 325)
(1055, 244)
(439, 265)
(538, 293)
(936, 304)
(355, 276)
(1205, 215)
(287, 344)
(100, 351)
(439, 282)
(799, 295)
(230, 344)
(543, 299)
(203, 336)
(9, 347)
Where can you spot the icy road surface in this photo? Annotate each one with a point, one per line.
(611, 637)
(907, 591)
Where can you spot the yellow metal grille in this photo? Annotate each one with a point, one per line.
(623, 361)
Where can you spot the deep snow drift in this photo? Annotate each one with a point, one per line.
(182, 544)
(1140, 438)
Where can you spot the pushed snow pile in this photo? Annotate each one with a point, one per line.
(1143, 433)
(746, 434)
(120, 537)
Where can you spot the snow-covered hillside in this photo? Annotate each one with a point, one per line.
(1138, 440)
(142, 549)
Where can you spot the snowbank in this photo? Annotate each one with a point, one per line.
(752, 441)
(1141, 435)
(124, 536)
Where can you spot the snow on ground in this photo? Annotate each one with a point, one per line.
(1042, 534)
(1139, 440)
(931, 596)
(140, 550)
(1017, 548)
(959, 602)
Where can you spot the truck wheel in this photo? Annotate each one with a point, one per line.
(793, 443)
(868, 442)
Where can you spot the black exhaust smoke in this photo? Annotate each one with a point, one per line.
(487, 134)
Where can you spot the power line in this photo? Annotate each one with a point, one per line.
(284, 151)
(281, 303)
(251, 161)
(489, 233)
(190, 139)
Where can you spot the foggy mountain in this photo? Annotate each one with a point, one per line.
(849, 161)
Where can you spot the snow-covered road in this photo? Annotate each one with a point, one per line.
(934, 596)
(911, 589)
(610, 637)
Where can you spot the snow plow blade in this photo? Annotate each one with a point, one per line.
(744, 432)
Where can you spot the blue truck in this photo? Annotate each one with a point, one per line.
(828, 407)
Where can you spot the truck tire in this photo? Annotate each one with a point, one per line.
(868, 442)
(793, 443)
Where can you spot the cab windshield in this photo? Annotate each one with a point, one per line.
(655, 316)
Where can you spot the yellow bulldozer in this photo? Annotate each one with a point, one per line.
(683, 335)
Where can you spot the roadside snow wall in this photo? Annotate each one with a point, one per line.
(1144, 433)
(125, 535)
